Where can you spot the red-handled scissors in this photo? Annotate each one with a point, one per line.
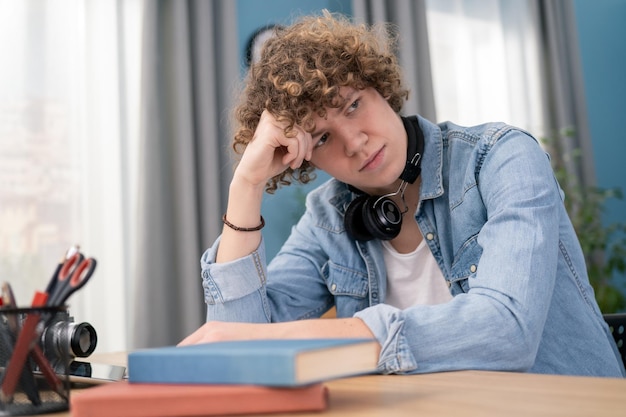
(74, 273)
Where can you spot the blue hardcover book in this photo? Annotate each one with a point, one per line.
(293, 362)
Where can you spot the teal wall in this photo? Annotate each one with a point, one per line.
(602, 39)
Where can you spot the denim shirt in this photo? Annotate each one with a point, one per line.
(492, 214)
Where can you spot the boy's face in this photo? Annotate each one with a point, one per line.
(362, 143)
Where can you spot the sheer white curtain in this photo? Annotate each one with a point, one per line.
(486, 62)
(68, 135)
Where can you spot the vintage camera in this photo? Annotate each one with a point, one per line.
(62, 340)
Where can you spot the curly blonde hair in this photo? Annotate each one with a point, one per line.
(300, 71)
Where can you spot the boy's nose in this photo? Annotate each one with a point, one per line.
(354, 140)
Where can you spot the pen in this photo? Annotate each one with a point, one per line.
(23, 346)
(10, 330)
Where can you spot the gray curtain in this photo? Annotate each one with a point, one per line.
(409, 19)
(564, 95)
(190, 64)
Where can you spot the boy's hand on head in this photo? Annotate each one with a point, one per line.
(271, 152)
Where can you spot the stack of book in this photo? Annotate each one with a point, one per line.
(228, 378)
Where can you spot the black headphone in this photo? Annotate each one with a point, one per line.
(379, 217)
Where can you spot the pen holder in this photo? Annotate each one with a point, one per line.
(32, 381)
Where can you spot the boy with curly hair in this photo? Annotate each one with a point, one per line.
(449, 245)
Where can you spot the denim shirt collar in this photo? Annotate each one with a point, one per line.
(432, 163)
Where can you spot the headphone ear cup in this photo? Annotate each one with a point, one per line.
(353, 219)
(382, 217)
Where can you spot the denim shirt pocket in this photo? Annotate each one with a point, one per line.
(465, 265)
(348, 286)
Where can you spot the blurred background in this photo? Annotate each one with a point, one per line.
(115, 131)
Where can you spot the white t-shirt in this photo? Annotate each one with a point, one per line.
(413, 278)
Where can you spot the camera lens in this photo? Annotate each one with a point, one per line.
(84, 340)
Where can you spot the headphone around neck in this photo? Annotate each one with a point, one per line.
(379, 217)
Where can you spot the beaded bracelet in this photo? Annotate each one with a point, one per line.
(243, 229)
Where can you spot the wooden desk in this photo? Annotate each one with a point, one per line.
(468, 394)
(477, 393)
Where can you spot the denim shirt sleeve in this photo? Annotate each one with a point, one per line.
(497, 322)
(235, 291)
(248, 290)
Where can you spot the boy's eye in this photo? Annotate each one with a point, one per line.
(354, 105)
(323, 140)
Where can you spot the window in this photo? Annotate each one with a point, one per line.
(485, 62)
(68, 133)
